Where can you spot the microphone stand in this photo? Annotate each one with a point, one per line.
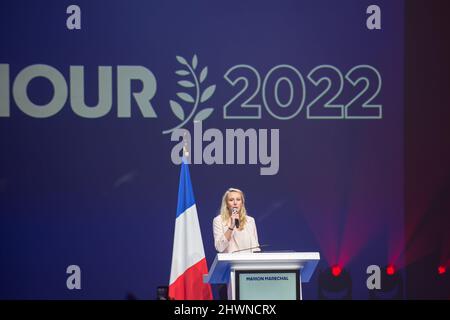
(260, 246)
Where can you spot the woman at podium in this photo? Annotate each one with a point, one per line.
(234, 230)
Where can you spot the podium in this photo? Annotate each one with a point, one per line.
(263, 275)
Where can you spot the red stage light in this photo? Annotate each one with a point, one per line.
(442, 269)
(336, 270)
(390, 270)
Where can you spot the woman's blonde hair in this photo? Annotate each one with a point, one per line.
(225, 213)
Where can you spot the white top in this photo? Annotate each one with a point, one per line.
(240, 239)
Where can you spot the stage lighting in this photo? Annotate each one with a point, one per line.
(162, 293)
(390, 270)
(335, 284)
(442, 270)
(441, 282)
(428, 278)
(336, 270)
(391, 285)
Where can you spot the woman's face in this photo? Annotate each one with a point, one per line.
(234, 200)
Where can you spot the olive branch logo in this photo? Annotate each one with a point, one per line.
(199, 96)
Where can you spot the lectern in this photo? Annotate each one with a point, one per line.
(264, 275)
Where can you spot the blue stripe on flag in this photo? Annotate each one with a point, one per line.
(185, 192)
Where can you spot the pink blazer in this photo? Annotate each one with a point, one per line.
(240, 239)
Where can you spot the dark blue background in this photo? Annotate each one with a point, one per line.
(102, 193)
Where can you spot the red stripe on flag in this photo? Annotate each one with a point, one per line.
(190, 286)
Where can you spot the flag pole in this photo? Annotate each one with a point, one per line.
(185, 147)
(188, 257)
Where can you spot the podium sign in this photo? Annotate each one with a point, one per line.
(263, 285)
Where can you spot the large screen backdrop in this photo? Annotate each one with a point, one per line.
(297, 103)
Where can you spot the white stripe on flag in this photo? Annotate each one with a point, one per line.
(187, 243)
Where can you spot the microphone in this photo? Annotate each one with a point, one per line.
(236, 221)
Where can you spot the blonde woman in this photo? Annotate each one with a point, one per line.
(233, 229)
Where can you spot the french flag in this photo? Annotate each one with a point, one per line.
(188, 256)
